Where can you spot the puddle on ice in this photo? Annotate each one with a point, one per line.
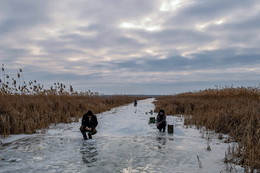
(125, 143)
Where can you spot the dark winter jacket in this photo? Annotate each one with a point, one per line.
(135, 103)
(86, 122)
(161, 119)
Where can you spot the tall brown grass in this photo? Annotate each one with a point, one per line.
(27, 113)
(233, 111)
(28, 106)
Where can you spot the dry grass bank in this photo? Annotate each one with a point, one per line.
(27, 113)
(28, 106)
(233, 111)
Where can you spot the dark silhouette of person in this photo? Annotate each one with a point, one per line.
(161, 120)
(88, 124)
(135, 103)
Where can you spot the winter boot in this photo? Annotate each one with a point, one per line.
(89, 135)
(85, 136)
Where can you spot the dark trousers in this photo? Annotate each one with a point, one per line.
(84, 131)
(162, 127)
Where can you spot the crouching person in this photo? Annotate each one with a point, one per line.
(88, 125)
(161, 121)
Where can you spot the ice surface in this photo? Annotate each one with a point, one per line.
(125, 142)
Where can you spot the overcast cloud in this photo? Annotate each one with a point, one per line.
(133, 46)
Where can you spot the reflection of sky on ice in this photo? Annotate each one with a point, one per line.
(125, 142)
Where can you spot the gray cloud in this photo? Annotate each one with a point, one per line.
(11, 54)
(111, 13)
(207, 11)
(105, 37)
(22, 15)
(131, 46)
(219, 59)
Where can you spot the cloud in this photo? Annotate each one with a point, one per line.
(22, 15)
(206, 60)
(133, 46)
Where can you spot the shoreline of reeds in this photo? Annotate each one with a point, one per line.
(28, 106)
(28, 113)
(232, 111)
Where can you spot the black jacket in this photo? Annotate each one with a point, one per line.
(161, 119)
(92, 123)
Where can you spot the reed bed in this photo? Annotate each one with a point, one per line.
(232, 111)
(27, 113)
(28, 106)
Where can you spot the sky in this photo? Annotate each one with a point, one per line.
(132, 46)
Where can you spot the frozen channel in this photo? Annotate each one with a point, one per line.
(125, 142)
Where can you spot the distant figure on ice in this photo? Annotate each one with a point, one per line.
(88, 124)
(161, 121)
(135, 103)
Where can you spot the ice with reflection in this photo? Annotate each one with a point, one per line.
(125, 142)
(89, 153)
